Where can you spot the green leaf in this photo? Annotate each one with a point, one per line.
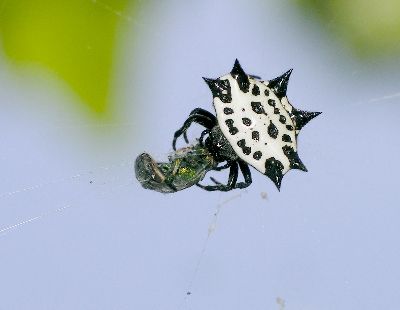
(74, 39)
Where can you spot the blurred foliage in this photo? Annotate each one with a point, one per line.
(371, 27)
(75, 39)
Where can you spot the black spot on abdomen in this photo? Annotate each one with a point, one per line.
(257, 107)
(232, 129)
(228, 111)
(272, 130)
(289, 127)
(286, 138)
(246, 150)
(282, 119)
(246, 121)
(257, 155)
(255, 135)
(271, 102)
(242, 144)
(256, 90)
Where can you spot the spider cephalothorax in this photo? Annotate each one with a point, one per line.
(254, 125)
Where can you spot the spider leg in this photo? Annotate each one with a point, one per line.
(215, 181)
(227, 165)
(185, 137)
(233, 175)
(203, 134)
(198, 116)
(205, 113)
(207, 131)
(244, 168)
(255, 76)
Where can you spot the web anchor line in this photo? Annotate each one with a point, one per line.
(7, 229)
(211, 228)
(62, 179)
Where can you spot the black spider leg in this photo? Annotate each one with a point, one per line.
(215, 181)
(244, 168)
(226, 166)
(233, 175)
(256, 77)
(185, 137)
(220, 168)
(202, 112)
(203, 134)
(198, 116)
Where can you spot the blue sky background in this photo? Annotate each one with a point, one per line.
(78, 232)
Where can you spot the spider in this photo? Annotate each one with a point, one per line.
(255, 124)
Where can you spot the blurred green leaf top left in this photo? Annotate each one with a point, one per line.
(74, 39)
